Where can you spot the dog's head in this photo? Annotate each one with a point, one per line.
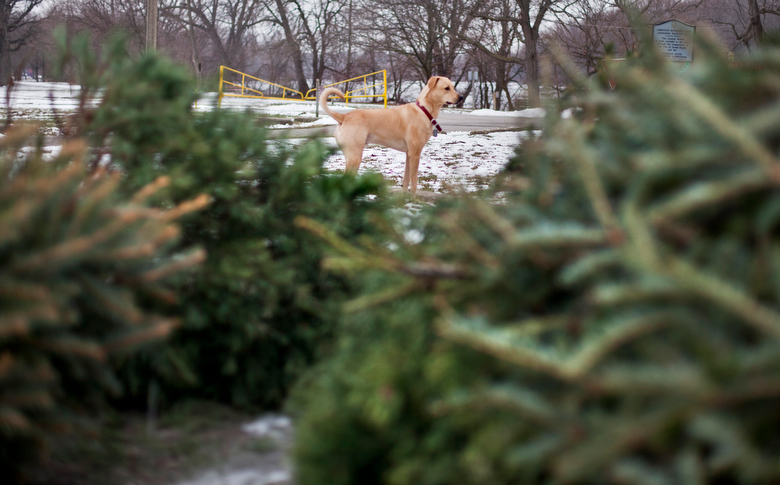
(440, 91)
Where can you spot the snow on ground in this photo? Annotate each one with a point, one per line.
(452, 162)
(523, 113)
(449, 163)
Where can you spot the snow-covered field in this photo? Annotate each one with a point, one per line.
(452, 162)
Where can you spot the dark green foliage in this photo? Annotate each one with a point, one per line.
(260, 309)
(76, 259)
(616, 321)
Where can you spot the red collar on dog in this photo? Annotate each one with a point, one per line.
(433, 121)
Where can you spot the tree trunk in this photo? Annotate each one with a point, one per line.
(756, 27)
(303, 84)
(151, 25)
(5, 45)
(532, 69)
(191, 32)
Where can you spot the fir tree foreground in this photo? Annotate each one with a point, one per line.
(615, 321)
(92, 264)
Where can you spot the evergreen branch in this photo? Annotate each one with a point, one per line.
(151, 189)
(612, 334)
(528, 404)
(498, 224)
(22, 291)
(711, 114)
(615, 437)
(434, 270)
(194, 258)
(557, 235)
(636, 472)
(141, 251)
(589, 266)
(20, 322)
(381, 297)
(12, 422)
(536, 325)
(14, 217)
(7, 363)
(496, 345)
(577, 149)
(31, 399)
(357, 259)
(41, 187)
(646, 289)
(703, 194)
(641, 250)
(157, 330)
(71, 346)
(531, 452)
(724, 295)
(186, 207)
(51, 259)
(532, 355)
(731, 448)
(325, 233)
(650, 379)
(90, 200)
(451, 224)
(114, 301)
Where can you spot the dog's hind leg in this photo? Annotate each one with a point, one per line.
(354, 155)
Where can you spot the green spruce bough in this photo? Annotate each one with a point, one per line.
(616, 320)
(261, 308)
(78, 259)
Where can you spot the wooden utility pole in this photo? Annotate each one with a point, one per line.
(151, 24)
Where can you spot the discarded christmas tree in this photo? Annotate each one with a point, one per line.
(616, 320)
(78, 259)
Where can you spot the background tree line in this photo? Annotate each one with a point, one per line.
(294, 42)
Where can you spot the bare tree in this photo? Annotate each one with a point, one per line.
(496, 48)
(586, 28)
(18, 25)
(743, 23)
(228, 24)
(316, 23)
(278, 15)
(527, 17)
(423, 31)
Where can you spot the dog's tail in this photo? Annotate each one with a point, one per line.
(339, 117)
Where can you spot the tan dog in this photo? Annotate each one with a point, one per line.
(406, 128)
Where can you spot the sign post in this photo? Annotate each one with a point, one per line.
(674, 40)
(473, 76)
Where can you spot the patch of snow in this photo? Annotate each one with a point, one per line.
(271, 425)
(523, 113)
(455, 161)
(242, 477)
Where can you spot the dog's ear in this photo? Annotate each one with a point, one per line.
(433, 81)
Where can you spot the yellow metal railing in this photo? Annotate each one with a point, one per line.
(250, 92)
(361, 92)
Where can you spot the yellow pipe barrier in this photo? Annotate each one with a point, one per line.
(350, 94)
(246, 89)
(259, 94)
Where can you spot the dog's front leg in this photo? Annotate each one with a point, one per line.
(412, 164)
(405, 182)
